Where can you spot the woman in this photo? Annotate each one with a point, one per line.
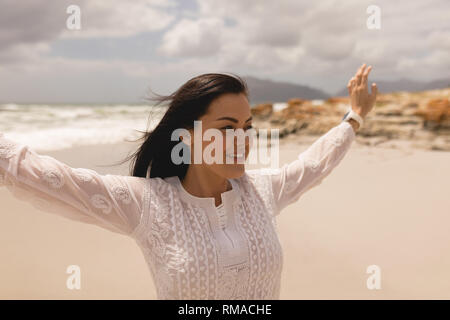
(207, 231)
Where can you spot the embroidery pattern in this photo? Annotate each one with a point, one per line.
(54, 178)
(337, 140)
(84, 175)
(6, 150)
(101, 202)
(311, 163)
(122, 194)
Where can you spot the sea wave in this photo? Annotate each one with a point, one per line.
(53, 127)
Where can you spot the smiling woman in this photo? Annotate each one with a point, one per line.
(207, 231)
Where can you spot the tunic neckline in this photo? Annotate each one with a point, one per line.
(227, 196)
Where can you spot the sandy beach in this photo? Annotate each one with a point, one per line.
(397, 219)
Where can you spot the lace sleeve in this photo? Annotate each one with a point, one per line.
(311, 166)
(112, 202)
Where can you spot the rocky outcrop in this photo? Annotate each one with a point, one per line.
(262, 111)
(421, 117)
(436, 114)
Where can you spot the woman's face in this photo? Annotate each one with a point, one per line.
(228, 111)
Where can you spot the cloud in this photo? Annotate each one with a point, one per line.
(118, 18)
(24, 52)
(35, 24)
(312, 38)
(318, 43)
(189, 37)
(23, 23)
(439, 40)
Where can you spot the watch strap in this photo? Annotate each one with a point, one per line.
(353, 115)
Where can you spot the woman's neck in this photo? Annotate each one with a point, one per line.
(205, 184)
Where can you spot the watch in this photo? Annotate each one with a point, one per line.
(353, 115)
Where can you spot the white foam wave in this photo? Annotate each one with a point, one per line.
(44, 127)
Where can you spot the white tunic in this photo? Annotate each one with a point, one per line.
(194, 250)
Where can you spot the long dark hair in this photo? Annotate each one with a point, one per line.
(185, 105)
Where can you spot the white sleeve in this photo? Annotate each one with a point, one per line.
(311, 166)
(112, 202)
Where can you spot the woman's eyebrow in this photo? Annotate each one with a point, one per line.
(232, 119)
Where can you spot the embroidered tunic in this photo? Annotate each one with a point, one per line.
(194, 250)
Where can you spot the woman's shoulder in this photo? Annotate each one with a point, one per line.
(161, 186)
(262, 172)
(154, 186)
(258, 182)
(257, 178)
(265, 171)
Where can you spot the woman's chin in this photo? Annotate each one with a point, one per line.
(235, 171)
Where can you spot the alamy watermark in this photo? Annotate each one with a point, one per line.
(73, 21)
(374, 280)
(73, 282)
(231, 149)
(374, 20)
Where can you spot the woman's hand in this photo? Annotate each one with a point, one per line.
(361, 101)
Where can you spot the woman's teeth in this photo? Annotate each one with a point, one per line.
(238, 156)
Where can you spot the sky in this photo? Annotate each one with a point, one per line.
(123, 48)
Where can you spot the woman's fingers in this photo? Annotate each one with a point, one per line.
(373, 95)
(359, 74)
(360, 78)
(360, 99)
(351, 85)
(365, 75)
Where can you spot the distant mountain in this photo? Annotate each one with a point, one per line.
(263, 90)
(404, 85)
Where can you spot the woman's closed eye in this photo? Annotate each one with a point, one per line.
(231, 127)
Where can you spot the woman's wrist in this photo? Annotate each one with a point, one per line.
(354, 124)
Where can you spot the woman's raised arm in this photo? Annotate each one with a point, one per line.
(112, 202)
(313, 165)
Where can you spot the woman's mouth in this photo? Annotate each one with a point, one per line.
(236, 157)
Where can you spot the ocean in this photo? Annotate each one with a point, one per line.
(55, 127)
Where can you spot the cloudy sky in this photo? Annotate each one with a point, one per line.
(125, 47)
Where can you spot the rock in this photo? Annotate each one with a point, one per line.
(301, 111)
(296, 102)
(410, 109)
(338, 100)
(423, 135)
(263, 110)
(383, 100)
(389, 110)
(436, 114)
(422, 119)
(441, 144)
(411, 105)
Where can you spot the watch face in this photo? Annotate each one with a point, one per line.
(345, 115)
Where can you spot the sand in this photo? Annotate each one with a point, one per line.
(380, 206)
